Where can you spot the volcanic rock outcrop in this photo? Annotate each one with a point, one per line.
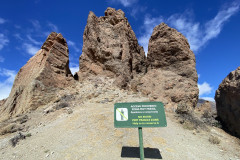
(38, 81)
(110, 48)
(171, 75)
(227, 99)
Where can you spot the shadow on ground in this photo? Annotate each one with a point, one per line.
(133, 152)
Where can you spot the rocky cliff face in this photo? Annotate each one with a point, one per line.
(38, 81)
(171, 76)
(110, 48)
(227, 99)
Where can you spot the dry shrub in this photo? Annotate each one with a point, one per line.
(207, 114)
(189, 126)
(16, 139)
(188, 119)
(182, 109)
(62, 105)
(214, 140)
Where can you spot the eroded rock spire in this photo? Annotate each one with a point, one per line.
(38, 81)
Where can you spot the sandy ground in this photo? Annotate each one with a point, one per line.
(89, 134)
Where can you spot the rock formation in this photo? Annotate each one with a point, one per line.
(38, 81)
(169, 50)
(227, 99)
(110, 48)
(171, 76)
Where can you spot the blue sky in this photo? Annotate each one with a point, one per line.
(212, 29)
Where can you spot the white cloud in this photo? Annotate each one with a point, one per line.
(149, 24)
(1, 59)
(2, 21)
(53, 27)
(33, 40)
(199, 76)
(197, 34)
(36, 24)
(3, 41)
(18, 36)
(184, 24)
(74, 68)
(6, 85)
(204, 89)
(137, 9)
(214, 26)
(208, 98)
(125, 3)
(46, 34)
(30, 49)
(73, 45)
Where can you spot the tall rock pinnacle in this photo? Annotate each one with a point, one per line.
(37, 82)
(171, 76)
(169, 50)
(110, 48)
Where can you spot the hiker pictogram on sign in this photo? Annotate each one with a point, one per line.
(121, 114)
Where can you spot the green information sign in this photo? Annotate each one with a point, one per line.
(139, 114)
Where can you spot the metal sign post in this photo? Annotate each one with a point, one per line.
(139, 115)
(141, 143)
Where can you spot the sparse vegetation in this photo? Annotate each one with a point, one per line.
(16, 139)
(46, 151)
(67, 97)
(188, 119)
(28, 135)
(62, 105)
(182, 109)
(207, 114)
(189, 126)
(214, 140)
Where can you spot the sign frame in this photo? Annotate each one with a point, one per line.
(139, 114)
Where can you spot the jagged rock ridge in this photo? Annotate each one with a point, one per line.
(38, 81)
(227, 99)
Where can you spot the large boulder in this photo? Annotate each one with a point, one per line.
(171, 74)
(38, 81)
(110, 48)
(227, 99)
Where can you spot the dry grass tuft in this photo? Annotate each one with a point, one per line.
(214, 140)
